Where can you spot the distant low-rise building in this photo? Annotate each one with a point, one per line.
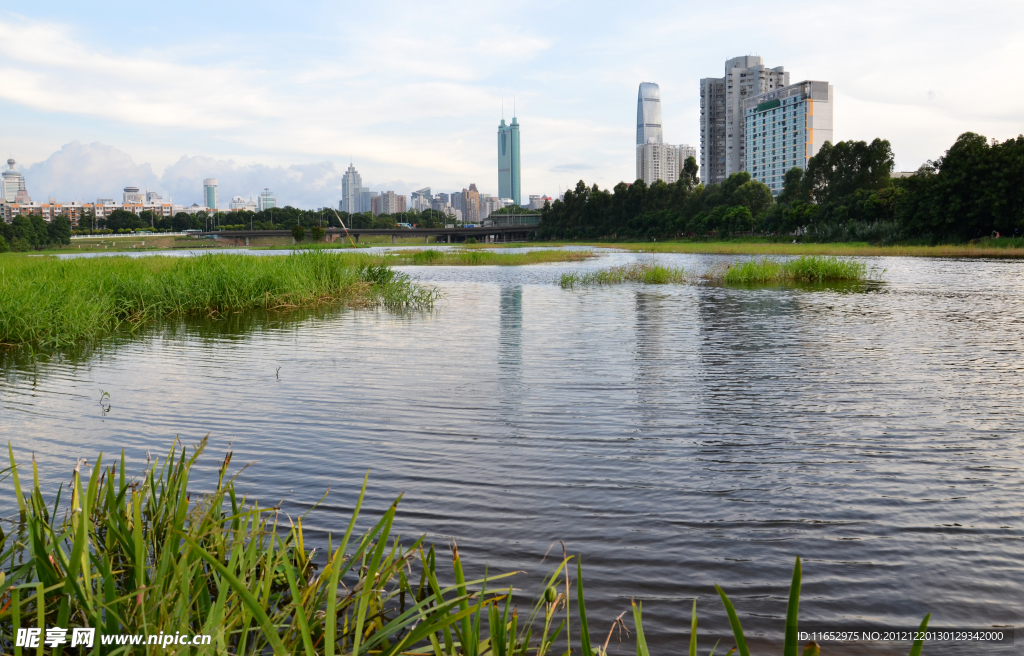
(239, 204)
(76, 211)
(537, 202)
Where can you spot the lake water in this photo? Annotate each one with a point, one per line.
(675, 436)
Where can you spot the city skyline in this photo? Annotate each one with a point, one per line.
(335, 90)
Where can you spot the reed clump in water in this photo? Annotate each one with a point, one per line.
(643, 272)
(52, 303)
(807, 268)
(461, 257)
(142, 558)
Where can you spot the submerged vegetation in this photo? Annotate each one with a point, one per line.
(52, 303)
(805, 269)
(142, 558)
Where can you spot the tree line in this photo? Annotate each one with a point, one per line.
(277, 218)
(25, 233)
(847, 193)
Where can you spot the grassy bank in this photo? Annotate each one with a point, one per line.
(52, 303)
(150, 557)
(986, 249)
(805, 269)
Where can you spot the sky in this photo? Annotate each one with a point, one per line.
(284, 95)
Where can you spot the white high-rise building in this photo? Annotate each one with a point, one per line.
(655, 160)
(13, 184)
(721, 113)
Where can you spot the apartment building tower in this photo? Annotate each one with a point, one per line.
(784, 128)
(722, 120)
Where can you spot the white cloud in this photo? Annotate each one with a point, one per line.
(87, 172)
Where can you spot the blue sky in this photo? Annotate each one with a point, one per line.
(99, 95)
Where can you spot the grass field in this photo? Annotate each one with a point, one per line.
(48, 302)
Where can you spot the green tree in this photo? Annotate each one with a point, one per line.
(689, 173)
(839, 170)
(124, 220)
(317, 233)
(753, 195)
(60, 230)
(4, 246)
(299, 233)
(792, 189)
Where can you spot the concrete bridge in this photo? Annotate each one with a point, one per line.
(491, 234)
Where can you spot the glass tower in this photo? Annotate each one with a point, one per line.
(508, 161)
(210, 193)
(648, 114)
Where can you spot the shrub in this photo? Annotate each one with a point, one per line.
(299, 233)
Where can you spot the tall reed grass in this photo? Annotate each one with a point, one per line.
(142, 557)
(54, 303)
(807, 268)
(644, 272)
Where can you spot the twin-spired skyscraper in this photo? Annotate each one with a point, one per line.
(509, 182)
(655, 160)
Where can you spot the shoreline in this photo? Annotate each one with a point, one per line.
(850, 249)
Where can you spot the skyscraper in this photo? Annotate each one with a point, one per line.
(721, 113)
(13, 182)
(210, 193)
(351, 184)
(655, 160)
(508, 161)
(648, 114)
